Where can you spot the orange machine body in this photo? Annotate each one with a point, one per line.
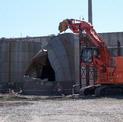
(109, 69)
(113, 75)
(118, 75)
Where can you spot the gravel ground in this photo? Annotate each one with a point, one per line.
(62, 110)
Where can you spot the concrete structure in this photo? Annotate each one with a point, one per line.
(111, 40)
(63, 54)
(16, 55)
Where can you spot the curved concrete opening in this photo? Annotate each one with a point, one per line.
(40, 67)
(60, 52)
(55, 64)
(59, 57)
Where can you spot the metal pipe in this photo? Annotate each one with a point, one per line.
(9, 57)
(90, 11)
(118, 48)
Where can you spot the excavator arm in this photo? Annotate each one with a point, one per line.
(78, 26)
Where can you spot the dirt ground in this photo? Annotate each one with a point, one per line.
(61, 110)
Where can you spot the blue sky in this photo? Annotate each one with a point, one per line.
(20, 18)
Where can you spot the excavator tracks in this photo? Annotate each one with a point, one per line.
(102, 90)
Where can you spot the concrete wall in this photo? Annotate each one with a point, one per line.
(63, 53)
(15, 55)
(111, 38)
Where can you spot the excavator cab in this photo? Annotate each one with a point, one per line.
(87, 54)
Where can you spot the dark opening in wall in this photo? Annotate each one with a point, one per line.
(48, 72)
(40, 67)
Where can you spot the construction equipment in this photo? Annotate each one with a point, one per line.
(109, 69)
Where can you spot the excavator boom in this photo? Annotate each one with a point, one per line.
(78, 26)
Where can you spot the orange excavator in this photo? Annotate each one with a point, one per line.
(109, 69)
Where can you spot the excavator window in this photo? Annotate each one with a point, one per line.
(87, 54)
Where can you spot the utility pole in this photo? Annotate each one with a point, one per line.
(87, 67)
(89, 20)
(90, 16)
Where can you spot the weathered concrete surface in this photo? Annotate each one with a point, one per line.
(63, 54)
(59, 110)
(112, 37)
(16, 54)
